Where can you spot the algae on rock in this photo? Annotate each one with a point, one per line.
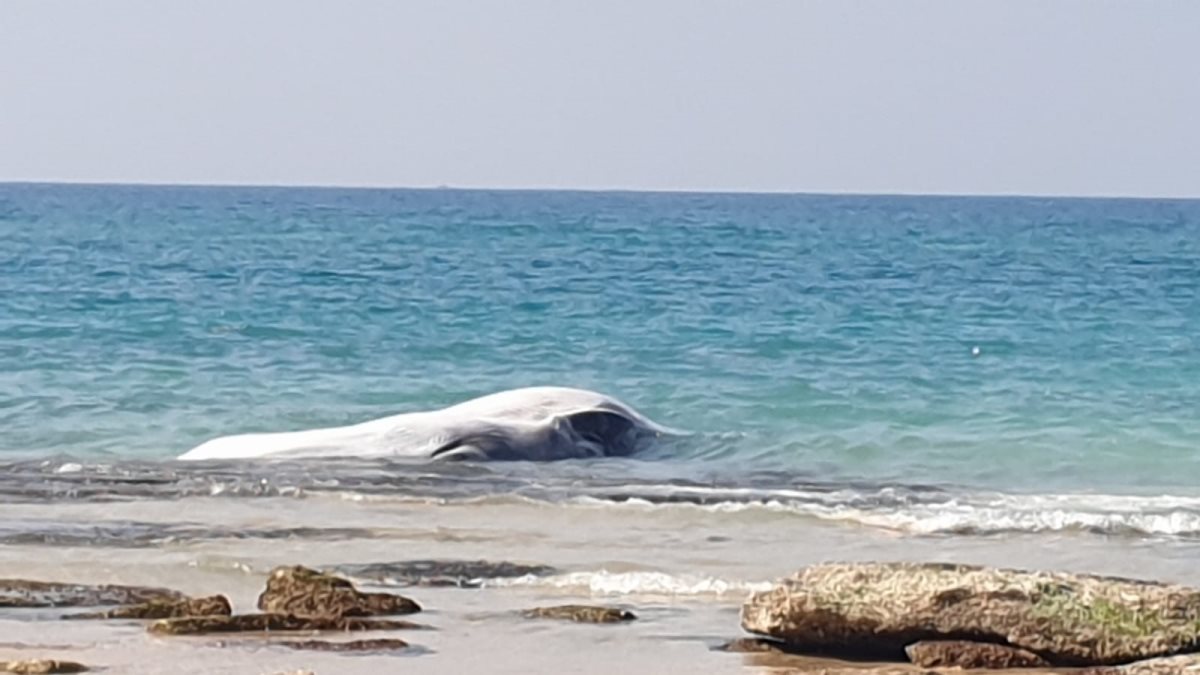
(215, 605)
(306, 592)
(1067, 619)
(256, 623)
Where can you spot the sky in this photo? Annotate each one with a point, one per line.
(1050, 97)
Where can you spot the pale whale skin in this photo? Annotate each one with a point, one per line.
(536, 423)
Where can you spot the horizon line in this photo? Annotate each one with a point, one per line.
(592, 190)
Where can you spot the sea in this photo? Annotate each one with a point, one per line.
(997, 380)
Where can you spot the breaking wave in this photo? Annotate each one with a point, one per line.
(946, 512)
(641, 583)
(918, 510)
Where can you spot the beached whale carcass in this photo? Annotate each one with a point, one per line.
(536, 423)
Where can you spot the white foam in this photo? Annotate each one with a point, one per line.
(979, 513)
(604, 582)
(1113, 514)
(931, 513)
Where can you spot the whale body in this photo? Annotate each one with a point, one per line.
(535, 423)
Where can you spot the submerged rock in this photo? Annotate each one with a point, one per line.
(453, 573)
(257, 623)
(581, 614)
(32, 666)
(214, 605)
(1067, 619)
(787, 663)
(379, 645)
(755, 646)
(28, 593)
(306, 592)
(967, 654)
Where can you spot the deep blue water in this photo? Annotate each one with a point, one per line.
(1024, 344)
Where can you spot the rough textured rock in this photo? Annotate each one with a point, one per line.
(1184, 664)
(32, 666)
(581, 614)
(214, 605)
(380, 645)
(454, 573)
(880, 608)
(27, 593)
(306, 592)
(256, 623)
(967, 654)
(852, 669)
(755, 646)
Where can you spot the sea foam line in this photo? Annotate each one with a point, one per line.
(603, 582)
(1107, 514)
(929, 514)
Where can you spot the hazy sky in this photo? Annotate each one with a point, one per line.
(955, 96)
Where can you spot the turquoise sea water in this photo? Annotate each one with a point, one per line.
(1014, 344)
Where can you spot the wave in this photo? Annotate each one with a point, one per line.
(962, 514)
(642, 583)
(912, 509)
(1000, 514)
(946, 513)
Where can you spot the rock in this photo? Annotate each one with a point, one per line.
(214, 605)
(1067, 619)
(454, 573)
(306, 592)
(39, 666)
(1184, 664)
(256, 623)
(967, 654)
(781, 658)
(755, 646)
(27, 593)
(379, 645)
(580, 614)
(851, 669)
